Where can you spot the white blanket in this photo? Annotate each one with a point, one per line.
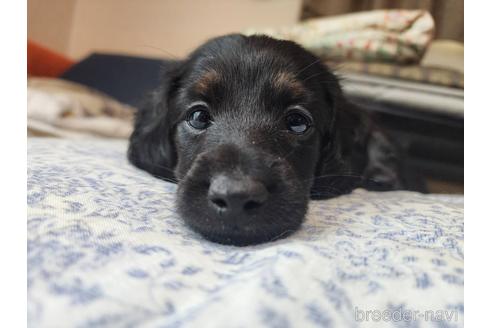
(106, 249)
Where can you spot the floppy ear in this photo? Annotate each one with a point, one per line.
(355, 152)
(151, 143)
(342, 141)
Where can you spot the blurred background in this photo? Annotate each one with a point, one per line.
(90, 62)
(77, 28)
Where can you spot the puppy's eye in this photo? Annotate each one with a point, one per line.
(297, 123)
(199, 118)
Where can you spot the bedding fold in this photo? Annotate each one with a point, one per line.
(59, 108)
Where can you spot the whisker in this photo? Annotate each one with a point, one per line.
(305, 68)
(160, 49)
(281, 235)
(166, 179)
(311, 76)
(159, 166)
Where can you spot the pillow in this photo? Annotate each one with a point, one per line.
(125, 78)
(42, 61)
(399, 36)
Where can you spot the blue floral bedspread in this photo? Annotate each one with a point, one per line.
(106, 249)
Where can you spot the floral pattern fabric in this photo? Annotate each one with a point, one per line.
(397, 36)
(107, 249)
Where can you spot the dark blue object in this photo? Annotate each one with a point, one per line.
(125, 78)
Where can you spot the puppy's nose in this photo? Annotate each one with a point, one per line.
(229, 195)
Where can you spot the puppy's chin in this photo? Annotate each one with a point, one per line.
(239, 236)
(279, 218)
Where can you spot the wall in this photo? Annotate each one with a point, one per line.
(162, 28)
(49, 22)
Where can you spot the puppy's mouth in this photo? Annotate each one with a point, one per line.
(241, 209)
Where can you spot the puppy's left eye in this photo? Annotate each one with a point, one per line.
(297, 123)
(199, 118)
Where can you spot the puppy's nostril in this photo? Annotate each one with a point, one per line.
(220, 203)
(251, 205)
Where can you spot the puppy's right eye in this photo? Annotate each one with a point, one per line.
(199, 118)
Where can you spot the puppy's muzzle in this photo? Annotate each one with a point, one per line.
(241, 196)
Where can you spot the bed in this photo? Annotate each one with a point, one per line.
(107, 249)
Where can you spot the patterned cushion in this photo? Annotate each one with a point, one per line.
(106, 249)
(398, 36)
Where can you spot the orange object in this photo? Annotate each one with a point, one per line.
(42, 61)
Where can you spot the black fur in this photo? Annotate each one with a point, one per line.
(248, 142)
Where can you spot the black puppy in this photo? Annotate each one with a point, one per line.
(249, 128)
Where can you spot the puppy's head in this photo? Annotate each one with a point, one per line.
(244, 125)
